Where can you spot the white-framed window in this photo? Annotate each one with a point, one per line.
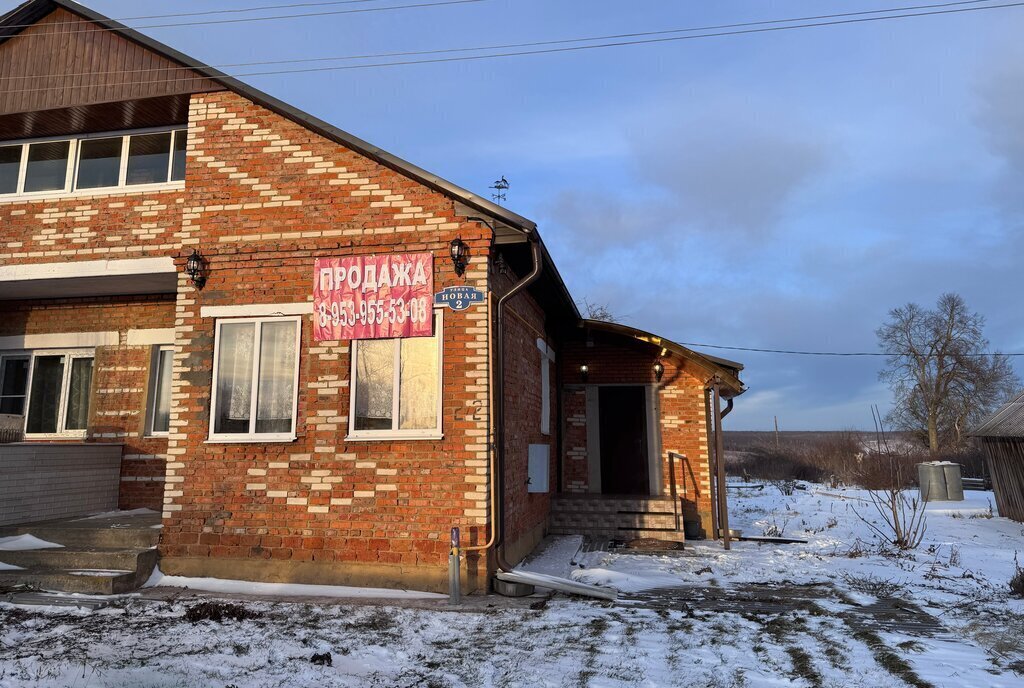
(50, 388)
(158, 418)
(255, 379)
(143, 159)
(396, 387)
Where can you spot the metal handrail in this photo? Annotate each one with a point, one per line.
(672, 456)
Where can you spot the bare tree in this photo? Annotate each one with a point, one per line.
(597, 311)
(941, 375)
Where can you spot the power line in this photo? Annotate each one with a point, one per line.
(204, 13)
(575, 48)
(505, 46)
(241, 20)
(824, 353)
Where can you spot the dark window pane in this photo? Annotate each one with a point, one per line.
(13, 385)
(148, 157)
(76, 416)
(47, 377)
(99, 163)
(10, 162)
(178, 164)
(47, 166)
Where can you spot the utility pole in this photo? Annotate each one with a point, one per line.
(776, 432)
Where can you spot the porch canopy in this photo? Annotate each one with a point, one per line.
(88, 278)
(727, 371)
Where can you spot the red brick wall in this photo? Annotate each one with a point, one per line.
(682, 423)
(120, 378)
(265, 198)
(526, 513)
(101, 226)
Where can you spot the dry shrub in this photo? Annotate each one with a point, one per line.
(843, 458)
(836, 459)
(901, 521)
(1017, 580)
(777, 464)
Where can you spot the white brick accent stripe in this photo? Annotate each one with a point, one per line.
(256, 310)
(59, 340)
(161, 335)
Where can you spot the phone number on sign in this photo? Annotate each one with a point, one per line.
(374, 311)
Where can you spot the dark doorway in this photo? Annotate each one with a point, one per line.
(623, 434)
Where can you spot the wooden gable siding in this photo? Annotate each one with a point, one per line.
(1006, 465)
(66, 61)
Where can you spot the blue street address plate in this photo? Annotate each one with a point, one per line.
(458, 298)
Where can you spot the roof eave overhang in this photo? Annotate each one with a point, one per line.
(731, 386)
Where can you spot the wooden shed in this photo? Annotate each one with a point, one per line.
(1002, 437)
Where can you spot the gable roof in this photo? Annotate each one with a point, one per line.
(728, 371)
(513, 224)
(1008, 421)
(32, 11)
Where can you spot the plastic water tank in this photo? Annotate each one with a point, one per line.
(932, 481)
(954, 486)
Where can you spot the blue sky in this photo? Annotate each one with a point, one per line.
(781, 190)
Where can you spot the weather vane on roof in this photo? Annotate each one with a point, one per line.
(500, 187)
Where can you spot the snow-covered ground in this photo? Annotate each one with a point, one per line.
(697, 618)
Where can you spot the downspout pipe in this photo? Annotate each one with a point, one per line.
(499, 397)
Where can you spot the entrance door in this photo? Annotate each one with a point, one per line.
(623, 436)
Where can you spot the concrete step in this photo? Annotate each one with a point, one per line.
(85, 537)
(597, 503)
(104, 554)
(72, 558)
(619, 520)
(89, 581)
(669, 535)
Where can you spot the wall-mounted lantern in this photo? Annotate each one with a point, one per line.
(659, 370)
(195, 268)
(460, 255)
(584, 371)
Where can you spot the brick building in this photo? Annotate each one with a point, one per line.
(162, 242)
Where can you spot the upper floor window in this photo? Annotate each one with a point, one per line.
(92, 162)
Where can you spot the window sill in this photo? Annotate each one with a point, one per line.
(88, 193)
(253, 439)
(55, 436)
(393, 437)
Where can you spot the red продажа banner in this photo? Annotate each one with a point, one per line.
(373, 297)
